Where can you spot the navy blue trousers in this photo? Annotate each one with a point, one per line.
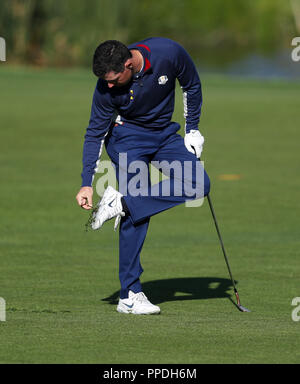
(137, 147)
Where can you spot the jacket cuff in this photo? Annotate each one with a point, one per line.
(87, 180)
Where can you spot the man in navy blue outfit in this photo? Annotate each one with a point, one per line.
(131, 114)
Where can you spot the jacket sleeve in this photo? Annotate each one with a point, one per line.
(189, 81)
(100, 121)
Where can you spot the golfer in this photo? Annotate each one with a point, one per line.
(131, 114)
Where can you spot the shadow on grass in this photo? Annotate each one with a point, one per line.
(189, 288)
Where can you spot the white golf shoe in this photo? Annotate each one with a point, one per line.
(109, 206)
(137, 304)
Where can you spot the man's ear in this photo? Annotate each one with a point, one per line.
(128, 64)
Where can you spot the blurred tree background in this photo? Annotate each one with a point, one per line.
(66, 33)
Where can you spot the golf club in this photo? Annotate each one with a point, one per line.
(240, 307)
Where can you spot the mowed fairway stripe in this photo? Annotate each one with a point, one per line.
(60, 284)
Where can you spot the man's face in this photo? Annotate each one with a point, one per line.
(119, 79)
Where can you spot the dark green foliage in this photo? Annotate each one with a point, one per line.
(64, 33)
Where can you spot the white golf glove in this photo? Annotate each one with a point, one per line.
(194, 142)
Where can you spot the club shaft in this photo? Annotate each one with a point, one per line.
(222, 245)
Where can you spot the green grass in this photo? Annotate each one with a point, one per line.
(54, 276)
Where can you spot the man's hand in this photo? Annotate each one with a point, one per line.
(194, 142)
(85, 197)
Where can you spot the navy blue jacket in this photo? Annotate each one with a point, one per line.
(147, 100)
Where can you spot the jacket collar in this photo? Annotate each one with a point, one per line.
(146, 52)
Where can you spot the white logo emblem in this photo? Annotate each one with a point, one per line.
(162, 80)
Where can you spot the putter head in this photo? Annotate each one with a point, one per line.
(243, 309)
(238, 304)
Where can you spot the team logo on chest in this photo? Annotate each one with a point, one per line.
(162, 80)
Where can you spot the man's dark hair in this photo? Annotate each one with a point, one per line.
(110, 56)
